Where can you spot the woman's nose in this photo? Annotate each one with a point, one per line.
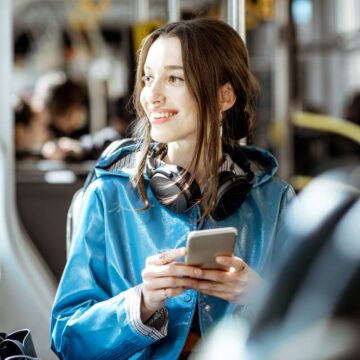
(156, 92)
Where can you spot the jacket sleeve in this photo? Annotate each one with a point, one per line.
(281, 239)
(88, 321)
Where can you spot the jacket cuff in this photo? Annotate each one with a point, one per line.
(134, 306)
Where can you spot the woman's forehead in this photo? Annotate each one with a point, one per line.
(165, 51)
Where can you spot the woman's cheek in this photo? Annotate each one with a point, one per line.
(143, 99)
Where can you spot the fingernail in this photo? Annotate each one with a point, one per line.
(197, 272)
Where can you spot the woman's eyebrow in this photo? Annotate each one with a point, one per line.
(167, 67)
(174, 67)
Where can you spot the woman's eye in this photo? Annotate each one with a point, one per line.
(175, 79)
(147, 79)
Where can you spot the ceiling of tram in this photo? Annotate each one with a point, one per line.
(28, 12)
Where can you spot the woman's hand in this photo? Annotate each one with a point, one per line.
(164, 278)
(235, 285)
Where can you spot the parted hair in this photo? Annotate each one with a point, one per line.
(213, 54)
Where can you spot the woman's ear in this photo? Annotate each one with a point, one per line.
(227, 97)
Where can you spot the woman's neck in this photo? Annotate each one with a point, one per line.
(181, 154)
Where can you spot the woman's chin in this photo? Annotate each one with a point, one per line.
(162, 137)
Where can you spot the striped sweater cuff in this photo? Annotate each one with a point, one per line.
(134, 306)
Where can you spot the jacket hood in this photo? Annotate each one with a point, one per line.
(119, 157)
(262, 163)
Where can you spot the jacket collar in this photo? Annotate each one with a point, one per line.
(120, 160)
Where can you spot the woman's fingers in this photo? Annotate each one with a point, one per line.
(237, 270)
(232, 297)
(229, 285)
(166, 257)
(232, 262)
(159, 295)
(173, 269)
(164, 278)
(238, 285)
(203, 285)
(170, 282)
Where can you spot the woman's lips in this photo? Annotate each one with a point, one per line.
(160, 117)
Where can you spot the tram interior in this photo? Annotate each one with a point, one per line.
(305, 55)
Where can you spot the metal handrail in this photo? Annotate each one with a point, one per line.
(327, 123)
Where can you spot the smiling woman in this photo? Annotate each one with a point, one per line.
(207, 102)
(125, 291)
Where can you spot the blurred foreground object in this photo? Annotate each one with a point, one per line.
(17, 345)
(312, 308)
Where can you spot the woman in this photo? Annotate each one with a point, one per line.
(124, 292)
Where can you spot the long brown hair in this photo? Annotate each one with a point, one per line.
(213, 54)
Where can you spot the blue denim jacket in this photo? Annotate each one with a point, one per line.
(97, 306)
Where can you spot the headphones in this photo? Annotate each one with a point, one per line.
(170, 184)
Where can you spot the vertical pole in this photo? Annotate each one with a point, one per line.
(27, 289)
(141, 10)
(236, 16)
(236, 19)
(173, 10)
(282, 111)
(6, 133)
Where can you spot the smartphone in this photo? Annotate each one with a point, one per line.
(204, 245)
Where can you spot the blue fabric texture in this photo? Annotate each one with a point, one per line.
(93, 313)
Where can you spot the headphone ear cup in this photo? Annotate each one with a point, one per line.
(169, 191)
(169, 184)
(231, 194)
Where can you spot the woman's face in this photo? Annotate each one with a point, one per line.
(166, 99)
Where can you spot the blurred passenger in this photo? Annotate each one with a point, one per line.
(120, 119)
(125, 291)
(64, 102)
(90, 146)
(352, 108)
(342, 149)
(31, 131)
(319, 150)
(311, 147)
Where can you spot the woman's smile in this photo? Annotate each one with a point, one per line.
(161, 116)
